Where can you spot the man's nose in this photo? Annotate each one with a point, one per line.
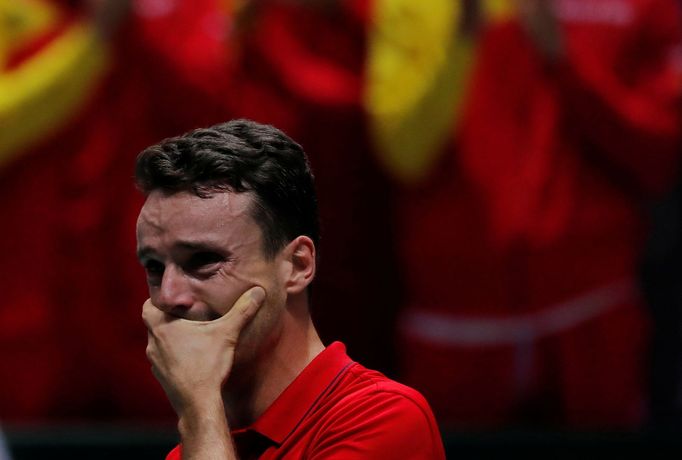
(174, 293)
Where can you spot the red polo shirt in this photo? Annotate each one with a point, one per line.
(338, 409)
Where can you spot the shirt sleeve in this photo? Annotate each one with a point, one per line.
(383, 425)
(626, 101)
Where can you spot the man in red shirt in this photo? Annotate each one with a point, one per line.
(227, 236)
(522, 246)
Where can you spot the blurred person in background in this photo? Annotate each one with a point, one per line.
(71, 112)
(52, 61)
(521, 228)
(85, 85)
(300, 66)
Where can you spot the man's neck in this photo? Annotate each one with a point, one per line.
(294, 349)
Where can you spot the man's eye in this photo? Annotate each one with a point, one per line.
(203, 261)
(153, 268)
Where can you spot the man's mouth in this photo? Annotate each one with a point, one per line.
(194, 315)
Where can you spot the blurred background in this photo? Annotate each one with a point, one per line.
(499, 193)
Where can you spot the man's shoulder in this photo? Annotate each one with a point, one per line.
(376, 386)
(339, 382)
(366, 411)
(364, 392)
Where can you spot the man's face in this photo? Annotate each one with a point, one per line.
(201, 254)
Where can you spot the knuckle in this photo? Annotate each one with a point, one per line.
(231, 341)
(159, 332)
(150, 352)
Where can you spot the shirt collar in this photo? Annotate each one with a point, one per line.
(287, 411)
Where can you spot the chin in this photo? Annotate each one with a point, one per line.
(243, 367)
(246, 350)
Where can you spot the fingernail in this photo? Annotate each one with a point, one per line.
(257, 294)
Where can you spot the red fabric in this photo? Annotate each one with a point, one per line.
(610, 108)
(64, 18)
(187, 74)
(101, 284)
(31, 339)
(338, 409)
(543, 199)
(199, 56)
(587, 377)
(70, 332)
(300, 68)
(324, 72)
(294, 58)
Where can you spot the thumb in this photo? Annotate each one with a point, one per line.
(244, 309)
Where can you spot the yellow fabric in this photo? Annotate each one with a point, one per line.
(21, 21)
(417, 72)
(37, 97)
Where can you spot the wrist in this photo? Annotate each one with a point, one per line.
(205, 433)
(202, 414)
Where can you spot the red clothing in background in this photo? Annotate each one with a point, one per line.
(70, 332)
(300, 67)
(338, 409)
(521, 251)
(70, 327)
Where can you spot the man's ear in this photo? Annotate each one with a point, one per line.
(301, 254)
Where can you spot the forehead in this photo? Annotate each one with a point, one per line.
(187, 217)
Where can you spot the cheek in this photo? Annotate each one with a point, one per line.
(221, 292)
(262, 333)
(222, 300)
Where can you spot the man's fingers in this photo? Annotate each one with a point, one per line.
(151, 346)
(244, 309)
(234, 320)
(153, 315)
(150, 314)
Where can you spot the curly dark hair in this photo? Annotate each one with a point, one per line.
(240, 156)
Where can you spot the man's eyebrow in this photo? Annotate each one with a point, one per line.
(199, 246)
(146, 252)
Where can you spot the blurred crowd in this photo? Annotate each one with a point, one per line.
(487, 172)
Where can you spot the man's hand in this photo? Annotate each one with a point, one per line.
(538, 18)
(192, 359)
